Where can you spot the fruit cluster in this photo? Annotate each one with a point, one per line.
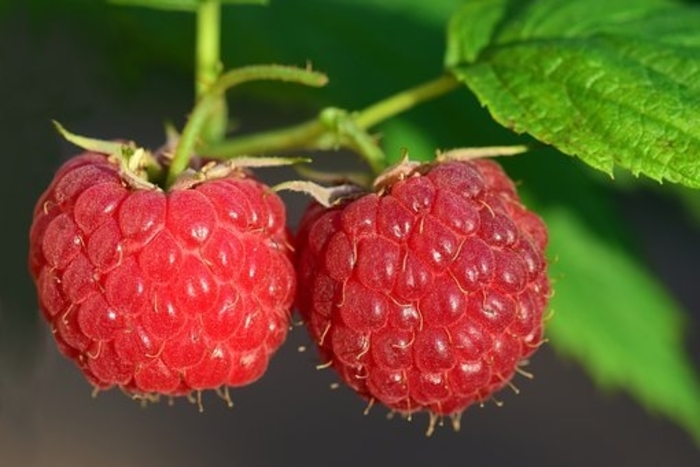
(425, 293)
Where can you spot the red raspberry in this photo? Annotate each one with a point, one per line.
(162, 292)
(429, 293)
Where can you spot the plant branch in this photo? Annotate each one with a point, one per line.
(208, 45)
(209, 100)
(208, 66)
(405, 100)
(334, 128)
(303, 136)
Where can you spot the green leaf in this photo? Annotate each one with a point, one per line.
(612, 82)
(615, 318)
(465, 43)
(180, 5)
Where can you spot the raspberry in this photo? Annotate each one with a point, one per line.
(427, 294)
(162, 292)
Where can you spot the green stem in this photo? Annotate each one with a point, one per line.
(316, 134)
(405, 100)
(301, 136)
(345, 132)
(208, 102)
(364, 144)
(208, 66)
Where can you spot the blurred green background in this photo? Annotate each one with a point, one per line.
(111, 71)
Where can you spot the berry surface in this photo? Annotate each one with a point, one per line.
(162, 292)
(427, 294)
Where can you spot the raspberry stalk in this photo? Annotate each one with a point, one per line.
(405, 100)
(334, 128)
(210, 100)
(208, 67)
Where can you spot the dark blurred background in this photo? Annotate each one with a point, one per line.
(51, 67)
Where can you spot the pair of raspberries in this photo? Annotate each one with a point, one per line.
(425, 294)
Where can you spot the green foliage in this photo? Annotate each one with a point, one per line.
(611, 315)
(609, 312)
(613, 83)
